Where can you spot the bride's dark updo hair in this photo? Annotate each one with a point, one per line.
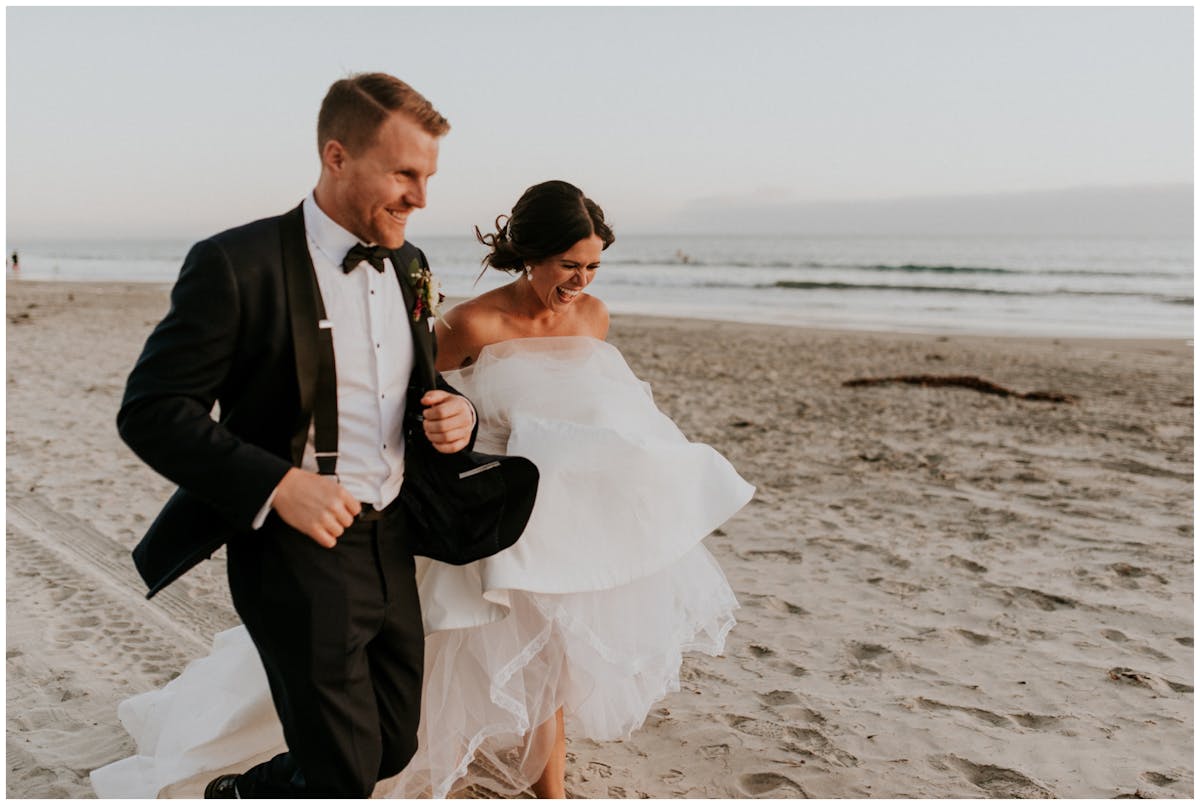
(548, 219)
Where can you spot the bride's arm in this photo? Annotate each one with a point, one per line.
(458, 337)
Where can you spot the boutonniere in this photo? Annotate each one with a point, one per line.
(428, 292)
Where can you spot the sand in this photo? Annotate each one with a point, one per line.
(944, 593)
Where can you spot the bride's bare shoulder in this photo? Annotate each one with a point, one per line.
(468, 327)
(595, 316)
(481, 312)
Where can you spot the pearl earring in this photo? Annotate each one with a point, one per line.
(528, 273)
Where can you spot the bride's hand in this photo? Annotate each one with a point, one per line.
(449, 419)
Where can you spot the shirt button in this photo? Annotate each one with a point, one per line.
(372, 292)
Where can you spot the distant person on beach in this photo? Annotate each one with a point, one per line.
(583, 621)
(16, 261)
(320, 317)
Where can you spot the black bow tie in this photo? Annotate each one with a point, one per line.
(370, 254)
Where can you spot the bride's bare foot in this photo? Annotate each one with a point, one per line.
(552, 783)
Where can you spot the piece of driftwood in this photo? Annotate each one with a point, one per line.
(964, 381)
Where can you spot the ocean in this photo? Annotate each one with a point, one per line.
(1018, 286)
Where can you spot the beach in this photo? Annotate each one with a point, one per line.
(944, 593)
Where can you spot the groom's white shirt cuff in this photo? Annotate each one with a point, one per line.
(264, 511)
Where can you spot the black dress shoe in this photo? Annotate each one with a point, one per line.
(224, 787)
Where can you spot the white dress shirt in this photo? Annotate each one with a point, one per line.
(373, 350)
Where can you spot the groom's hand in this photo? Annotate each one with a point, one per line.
(315, 505)
(449, 420)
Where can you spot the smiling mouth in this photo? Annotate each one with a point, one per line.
(397, 216)
(568, 294)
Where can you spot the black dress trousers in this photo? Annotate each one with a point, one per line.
(340, 635)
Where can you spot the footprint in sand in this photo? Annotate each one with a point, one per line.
(746, 724)
(1153, 682)
(786, 607)
(1154, 653)
(894, 587)
(1000, 782)
(601, 770)
(809, 716)
(693, 673)
(777, 697)
(62, 593)
(1034, 721)
(754, 601)
(986, 716)
(761, 783)
(1128, 573)
(965, 564)
(874, 657)
(1138, 468)
(1043, 601)
(789, 667)
(1158, 778)
(812, 743)
(973, 638)
(868, 651)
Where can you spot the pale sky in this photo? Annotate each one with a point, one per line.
(137, 122)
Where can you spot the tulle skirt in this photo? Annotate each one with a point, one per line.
(604, 657)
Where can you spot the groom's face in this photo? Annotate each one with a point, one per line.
(379, 187)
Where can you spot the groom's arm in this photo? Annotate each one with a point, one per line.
(450, 420)
(165, 416)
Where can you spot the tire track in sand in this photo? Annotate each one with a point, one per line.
(82, 637)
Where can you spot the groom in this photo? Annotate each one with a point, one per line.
(320, 567)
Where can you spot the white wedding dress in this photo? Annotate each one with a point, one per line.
(589, 611)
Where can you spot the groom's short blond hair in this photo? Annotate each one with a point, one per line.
(355, 108)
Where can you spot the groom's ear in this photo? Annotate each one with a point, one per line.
(334, 155)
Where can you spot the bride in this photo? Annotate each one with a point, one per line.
(583, 622)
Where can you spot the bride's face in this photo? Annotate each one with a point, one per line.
(559, 280)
